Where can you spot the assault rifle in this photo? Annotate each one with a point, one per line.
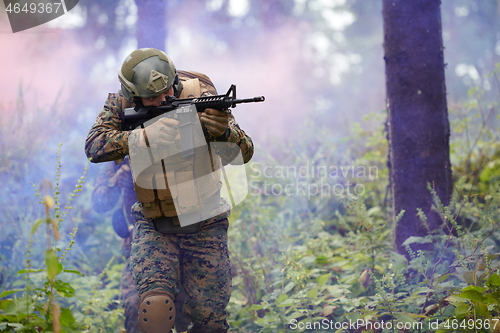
(133, 118)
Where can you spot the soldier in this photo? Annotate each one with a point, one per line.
(165, 255)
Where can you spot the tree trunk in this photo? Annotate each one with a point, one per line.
(418, 126)
(151, 26)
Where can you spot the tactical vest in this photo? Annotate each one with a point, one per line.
(198, 178)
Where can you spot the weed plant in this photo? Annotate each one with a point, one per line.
(50, 295)
(326, 263)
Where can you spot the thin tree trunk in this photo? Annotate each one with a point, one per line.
(418, 126)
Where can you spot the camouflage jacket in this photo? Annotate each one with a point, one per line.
(107, 142)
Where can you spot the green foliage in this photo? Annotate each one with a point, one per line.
(54, 297)
(306, 269)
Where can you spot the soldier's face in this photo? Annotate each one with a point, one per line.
(156, 101)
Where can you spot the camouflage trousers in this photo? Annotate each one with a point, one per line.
(198, 262)
(130, 299)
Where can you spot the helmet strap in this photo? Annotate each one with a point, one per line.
(177, 86)
(138, 103)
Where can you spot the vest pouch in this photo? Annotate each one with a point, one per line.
(165, 197)
(209, 184)
(150, 205)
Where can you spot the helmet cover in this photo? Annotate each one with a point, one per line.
(146, 73)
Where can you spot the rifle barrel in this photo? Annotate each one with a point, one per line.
(251, 100)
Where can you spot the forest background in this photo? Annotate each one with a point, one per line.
(299, 256)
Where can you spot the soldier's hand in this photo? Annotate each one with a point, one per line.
(215, 121)
(162, 132)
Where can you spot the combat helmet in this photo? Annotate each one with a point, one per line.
(146, 73)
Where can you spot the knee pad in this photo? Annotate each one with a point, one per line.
(156, 312)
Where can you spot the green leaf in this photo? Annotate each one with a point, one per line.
(54, 267)
(64, 288)
(67, 318)
(321, 260)
(294, 315)
(475, 288)
(491, 170)
(5, 303)
(313, 293)
(494, 280)
(36, 225)
(443, 277)
(404, 318)
(323, 279)
(73, 271)
(422, 290)
(461, 310)
(418, 240)
(287, 302)
(281, 298)
(481, 310)
(469, 277)
(289, 287)
(256, 307)
(15, 326)
(491, 299)
(372, 211)
(31, 270)
(472, 295)
(8, 292)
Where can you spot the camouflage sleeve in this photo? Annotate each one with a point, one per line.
(106, 141)
(238, 137)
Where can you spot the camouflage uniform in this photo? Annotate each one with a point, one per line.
(198, 261)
